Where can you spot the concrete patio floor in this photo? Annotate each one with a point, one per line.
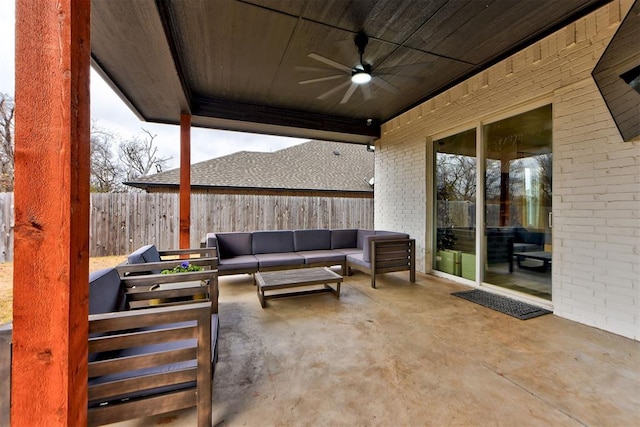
(410, 354)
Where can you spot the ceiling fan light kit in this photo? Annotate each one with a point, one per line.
(360, 77)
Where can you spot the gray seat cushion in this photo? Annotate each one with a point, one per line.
(233, 244)
(344, 238)
(349, 251)
(311, 257)
(105, 293)
(279, 259)
(357, 259)
(312, 240)
(272, 242)
(148, 253)
(240, 262)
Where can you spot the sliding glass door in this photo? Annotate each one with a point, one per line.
(515, 239)
(518, 176)
(456, 170)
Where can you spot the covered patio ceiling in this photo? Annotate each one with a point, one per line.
(238, 64)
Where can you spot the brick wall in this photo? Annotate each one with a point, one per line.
(596, 202)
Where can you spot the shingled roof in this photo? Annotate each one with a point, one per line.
(310, 166)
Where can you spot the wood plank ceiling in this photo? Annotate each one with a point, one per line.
(238, 64)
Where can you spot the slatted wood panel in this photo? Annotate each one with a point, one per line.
(121, 223)
(161, 328)
(5, 374)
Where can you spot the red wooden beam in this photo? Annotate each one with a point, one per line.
(185, 180)
(51, 265)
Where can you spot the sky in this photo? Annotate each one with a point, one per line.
(110, 113)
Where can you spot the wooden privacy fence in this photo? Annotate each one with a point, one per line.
(122, 222)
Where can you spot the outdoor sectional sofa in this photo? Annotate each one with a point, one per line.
(371, 251)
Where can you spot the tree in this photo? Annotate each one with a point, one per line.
(7, 110)
(106, 173)
(136, 157)
(139, 156)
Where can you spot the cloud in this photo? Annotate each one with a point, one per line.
(110, 113)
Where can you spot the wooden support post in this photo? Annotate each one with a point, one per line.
(51, 261)
(185, 180)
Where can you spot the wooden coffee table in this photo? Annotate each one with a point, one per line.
(300, 277)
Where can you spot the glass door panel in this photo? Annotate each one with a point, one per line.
(518, 176)
(455, 179)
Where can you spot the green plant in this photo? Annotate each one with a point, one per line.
(182, 268)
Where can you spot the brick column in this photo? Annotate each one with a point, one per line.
(51, 265)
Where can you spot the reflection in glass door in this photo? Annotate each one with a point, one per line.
(455, 184)
(518, 176)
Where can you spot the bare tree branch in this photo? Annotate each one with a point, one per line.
(106, 174)
(7, 110)
(139, 156)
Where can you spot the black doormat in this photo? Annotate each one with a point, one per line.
(517, 309)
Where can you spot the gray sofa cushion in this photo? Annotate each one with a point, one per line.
(357, 259)
(345, 238)
(147, 253)
(279, 259)
(105, 293)
(272, 242)
(366, 249)
(233, 244)
(323, 256)
(211, 241)
(361, 235)
(240, 262)
(312, 240)
(349, 251)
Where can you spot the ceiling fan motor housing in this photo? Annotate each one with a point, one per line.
(361, 40)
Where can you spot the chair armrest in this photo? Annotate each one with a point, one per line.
(158, 279)
(203, 252)
(103, 323)
(206, 263)
(172, 288)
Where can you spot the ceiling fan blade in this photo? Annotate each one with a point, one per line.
(366, 91)
(350, 91)
(334, 90)
(329, 62)
(379, 81)
(313, 69)
(321, 79)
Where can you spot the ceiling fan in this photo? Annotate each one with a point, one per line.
(360, 75)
